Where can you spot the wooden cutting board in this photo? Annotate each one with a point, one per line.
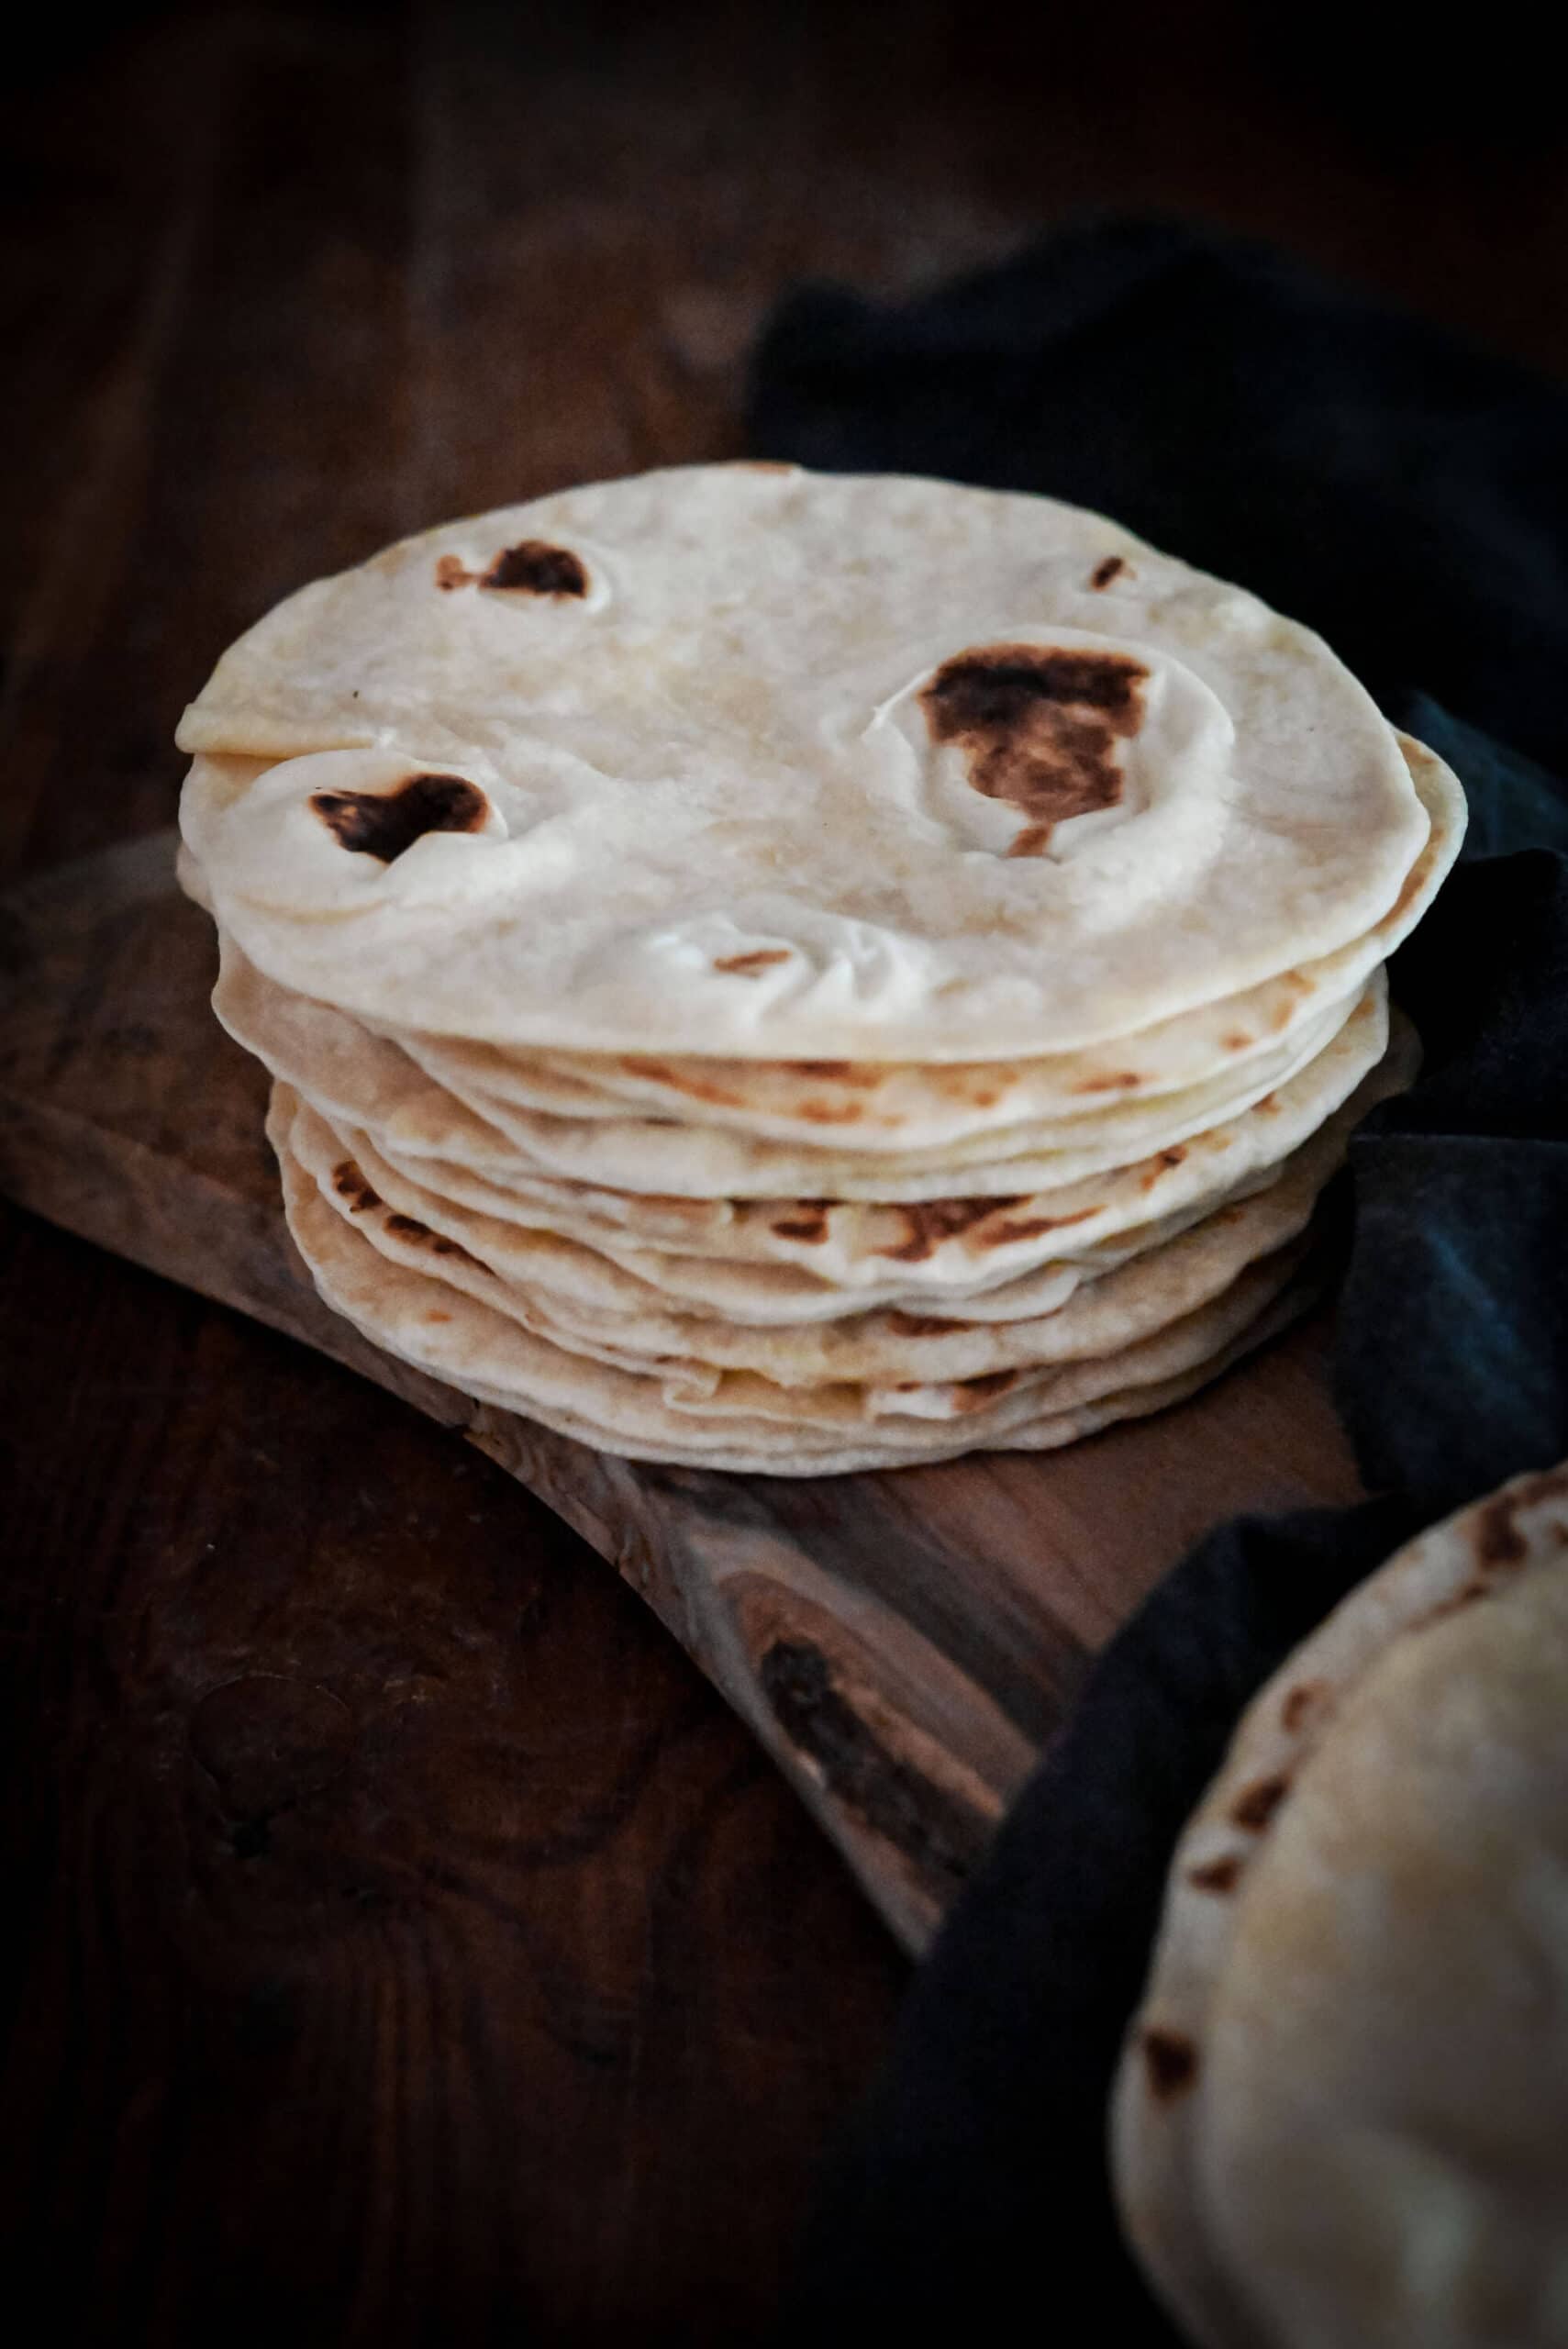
(903, 1644)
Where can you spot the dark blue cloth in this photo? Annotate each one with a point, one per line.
(1409, 497)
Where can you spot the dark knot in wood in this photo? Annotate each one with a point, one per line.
(943, 1838)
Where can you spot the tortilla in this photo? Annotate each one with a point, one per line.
(1342, 2105)
(742, 1422)
(956, 1246)
(751, 1290)
(366, 1080)
(775, 765)
(585, 1299)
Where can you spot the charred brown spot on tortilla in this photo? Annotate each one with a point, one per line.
(1268, 1107)
(1033, 1227)
(409, 1227)
(1296, 986)
(1479, 1587)
(1497, 1544)
(1498, 1540)
(744, 965)
(811, 1229)
(437, 1316)
(1162, 1163)
(1039, 726)
(1103, 573)
(533, 567)
(974, 1394)
(1171, 2060)
(928, 1222)
(1216, 1875)
(827, 1113)
(383, 824)
(1033, 840)
(840, 1071)
(1120, 1080)
(351, 1184)
(452, 572)
(1301, 1700)
(921, 1325)
(1236, 1040)
(762, 465)
(1256, 1804)
(981, 1082)
(700, 1088)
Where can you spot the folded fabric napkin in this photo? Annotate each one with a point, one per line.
(1408, 496)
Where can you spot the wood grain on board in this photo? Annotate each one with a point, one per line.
(903, 1644)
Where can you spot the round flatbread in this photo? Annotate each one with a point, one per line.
(1342, 2103)
(949, 1247)
(894, 1347)
(761, 1291)
(738, 1420)
(617, 1151)
(583, 1298)
(366, 1080)
(780, 765)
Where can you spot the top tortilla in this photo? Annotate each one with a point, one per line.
(769, 765)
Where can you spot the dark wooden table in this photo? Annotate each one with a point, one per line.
(402, 1942)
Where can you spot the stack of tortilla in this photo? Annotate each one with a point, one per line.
(799, 973)
(1340, 2113)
